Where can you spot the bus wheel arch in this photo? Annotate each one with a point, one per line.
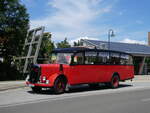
(116, 74)
(60, 84)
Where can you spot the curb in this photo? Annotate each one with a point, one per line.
(13, 87)
(6, 85)
(142, 78)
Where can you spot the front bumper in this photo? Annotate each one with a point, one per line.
(38, 85)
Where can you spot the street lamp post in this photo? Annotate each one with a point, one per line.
(110, 34)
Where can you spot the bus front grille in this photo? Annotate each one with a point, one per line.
(35, 73)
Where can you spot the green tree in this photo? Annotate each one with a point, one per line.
(14, 24)
(46, 47)
(63, 44)
(76, 43)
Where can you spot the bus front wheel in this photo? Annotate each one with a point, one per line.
(59, 85)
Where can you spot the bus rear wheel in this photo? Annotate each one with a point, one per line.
(59, 86)
(114, 82)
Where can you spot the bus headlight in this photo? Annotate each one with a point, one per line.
(44, 78)
(47, 81)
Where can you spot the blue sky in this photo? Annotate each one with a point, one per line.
(130, 19)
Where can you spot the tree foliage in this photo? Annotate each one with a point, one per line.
(63, 44)
(14, 24)
(46, 47)
(77, 43)
(13, 27)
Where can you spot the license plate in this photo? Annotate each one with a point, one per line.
(30, 85)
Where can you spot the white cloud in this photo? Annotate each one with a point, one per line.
(127, 40)
(78, 39)
(73, 18)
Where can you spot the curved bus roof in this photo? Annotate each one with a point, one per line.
(82, 49)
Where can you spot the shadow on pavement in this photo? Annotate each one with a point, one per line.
(87, 88)
(77, 89)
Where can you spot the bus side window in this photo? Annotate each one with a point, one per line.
(130, 60)
(126, 59)
(78, 58)
(123, 59)
(114, 58)
(90, 57)
(103, 58)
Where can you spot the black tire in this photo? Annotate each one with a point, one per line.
(114, 82)
(36, 89)
(94, 85)
(59, 86)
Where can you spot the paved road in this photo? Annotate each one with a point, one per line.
(129, 98)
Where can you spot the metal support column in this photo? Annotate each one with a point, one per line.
(141, 69)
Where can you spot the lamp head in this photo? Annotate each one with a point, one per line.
(112, 34)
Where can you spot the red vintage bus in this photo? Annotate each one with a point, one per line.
(78, 65)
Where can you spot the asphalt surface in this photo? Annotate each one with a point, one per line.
(130, 97)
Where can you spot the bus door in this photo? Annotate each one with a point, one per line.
(77, 69)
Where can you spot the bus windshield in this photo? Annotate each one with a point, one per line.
(61, 58)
